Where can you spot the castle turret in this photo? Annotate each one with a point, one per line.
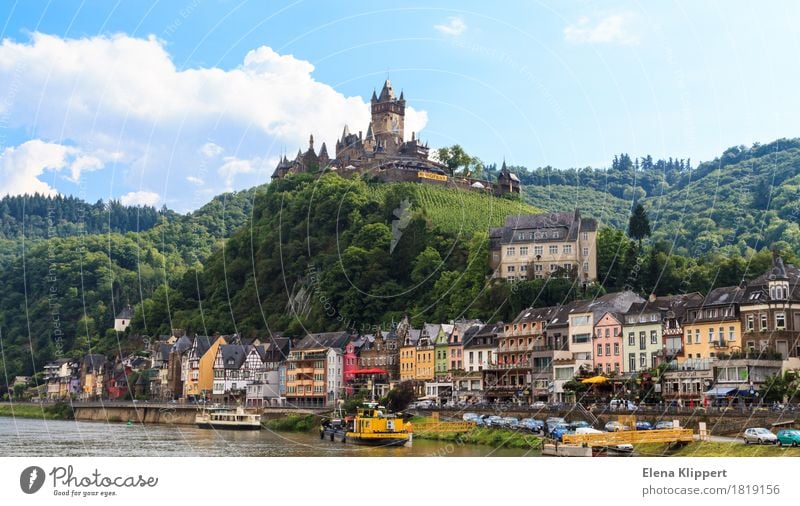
(388, 119)
(323, 157)
(507, 181)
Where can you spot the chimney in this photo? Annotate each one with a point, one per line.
(652, 297)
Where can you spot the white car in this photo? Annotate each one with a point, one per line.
(759, 435)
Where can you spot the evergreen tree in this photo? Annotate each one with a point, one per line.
(639, 224)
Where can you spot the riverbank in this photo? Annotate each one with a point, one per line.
(715, 449)
(498, 438)
(59, 411)
(294, 423)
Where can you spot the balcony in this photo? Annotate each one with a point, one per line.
(720, 344)
(506, 367)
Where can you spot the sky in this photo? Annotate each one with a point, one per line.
(173, 102)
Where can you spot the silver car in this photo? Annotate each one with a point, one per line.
(759, 435)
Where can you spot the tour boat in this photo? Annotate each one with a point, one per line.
(372, 425)
(228, 419)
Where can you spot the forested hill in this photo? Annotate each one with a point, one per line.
(72, 279)
(746, 198)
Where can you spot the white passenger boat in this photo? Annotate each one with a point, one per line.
(228, 419)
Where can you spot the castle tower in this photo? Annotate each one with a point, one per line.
(388, 118)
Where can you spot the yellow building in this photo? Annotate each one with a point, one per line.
(408, 358)
(425, 358)
(714, 327)
(205, 379)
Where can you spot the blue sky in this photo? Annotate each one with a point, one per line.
(175, 101)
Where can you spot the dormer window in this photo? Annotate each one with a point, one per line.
(779, 290)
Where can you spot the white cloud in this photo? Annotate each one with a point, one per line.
(195, 180)
(121, 94)
(211, 150)
(140, 198)
(454, 27)
(614, 28)
(21, 166)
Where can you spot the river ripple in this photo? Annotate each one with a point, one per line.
(58, 438)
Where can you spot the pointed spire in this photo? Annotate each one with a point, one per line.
(374, 96)
(311, 142)
(402, 97)
(387, 93)
(369, 131)
(345, 132)
(323, 150)
(504, 168)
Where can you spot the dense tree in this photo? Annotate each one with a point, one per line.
(639, 224)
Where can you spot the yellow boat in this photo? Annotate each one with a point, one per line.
(372, 425)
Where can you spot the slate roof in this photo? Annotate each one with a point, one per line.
(94, 362)
(126, 313)
(560, 226)
(182, 344)
(233, 355)
(324, 340)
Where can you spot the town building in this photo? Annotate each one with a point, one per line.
(713, 326)
(383, 351)
(307, 375)
(673, 312)
(535, 246)
(770, 313)
(608, 356)
(441, 349)
(479, 353)
(642, 340)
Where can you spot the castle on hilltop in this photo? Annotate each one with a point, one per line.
(385, 155)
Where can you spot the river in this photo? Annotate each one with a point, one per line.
(59, 438)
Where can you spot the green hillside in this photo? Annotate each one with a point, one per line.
(745, 199)
(454, 210)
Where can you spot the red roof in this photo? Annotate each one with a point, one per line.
(374, 370)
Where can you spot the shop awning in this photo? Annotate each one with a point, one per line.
(720, 392)
(595, 380)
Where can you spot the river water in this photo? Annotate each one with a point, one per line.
(59, 438)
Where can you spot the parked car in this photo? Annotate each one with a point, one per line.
(511, 422)
(788, 437)
(664, 424)
(553, 422)
(559, 431)
(579, 424)
(759, 435)
(469, 417)
(615, 427)
(532, 425)
(538, 405)
(493, 421)
(641, 425)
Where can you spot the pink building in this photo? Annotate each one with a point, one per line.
(350, 365)
(608, 344)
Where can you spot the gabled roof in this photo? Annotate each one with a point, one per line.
(233, 355)
(94, 362)
(126, 313)
(324, 340)
(182, 344)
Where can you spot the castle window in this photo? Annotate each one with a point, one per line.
(586, 252)
(567, 249)
(553, 249)
(585, 266)
(510, 268)
(537, 267)
(523, 251)
(511, 252)
(538, 250)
